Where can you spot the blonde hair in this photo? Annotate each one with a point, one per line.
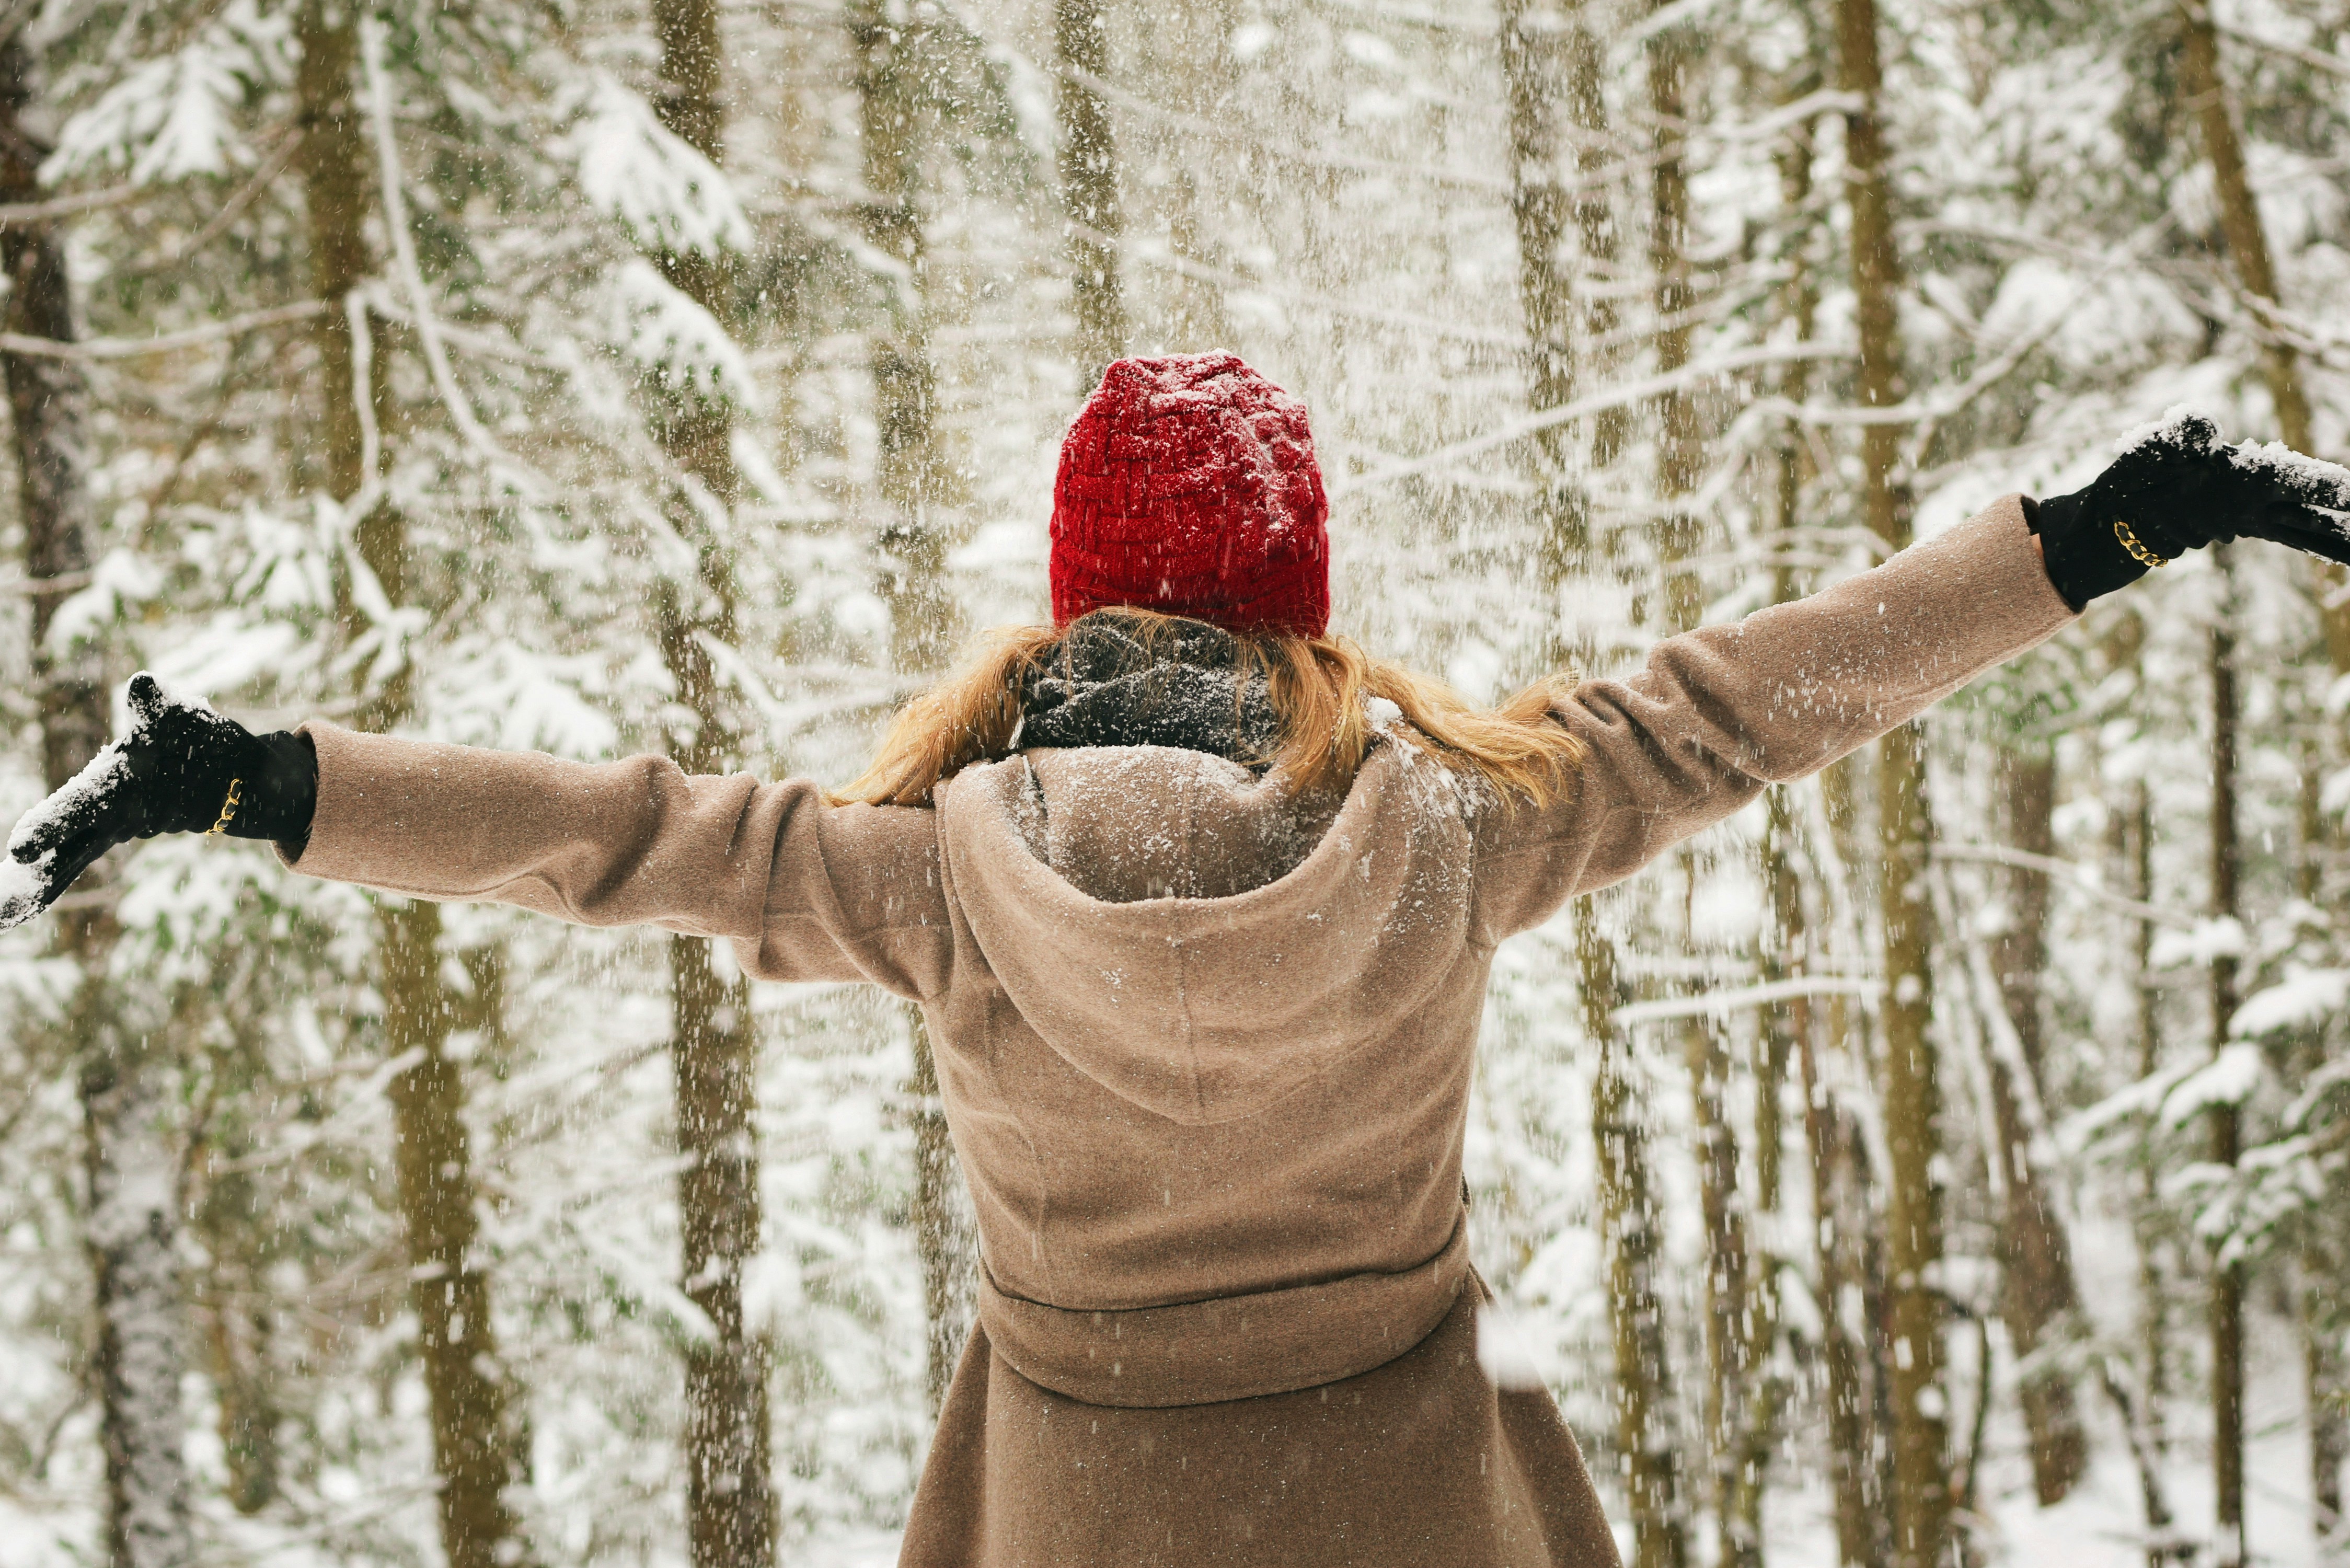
(1319, 687)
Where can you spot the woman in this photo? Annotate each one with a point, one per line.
(1199, 904)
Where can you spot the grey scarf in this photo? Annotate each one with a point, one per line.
(1104, 688)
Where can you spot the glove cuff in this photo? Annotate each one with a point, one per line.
(280, 792)
(2083, 555)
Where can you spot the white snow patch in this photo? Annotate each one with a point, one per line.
(2297, 1002)
(121, 579)
(1250, 40)
(2334, 797)
(2131, 1100)
(2319, 483)
(669, 337)
(20, 889)
(100, 774)
(167, 120)
(2207, 942)
(2168, 429)
(1504, 1351)
(664, 192)
(2228, 1079)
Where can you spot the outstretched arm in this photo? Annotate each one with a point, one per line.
(805, 890)
(1718, 713)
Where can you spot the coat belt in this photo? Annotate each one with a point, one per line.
(1233, 1347)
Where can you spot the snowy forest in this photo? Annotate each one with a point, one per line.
(1943, 1162)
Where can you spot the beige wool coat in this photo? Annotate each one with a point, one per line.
(1206, 1052)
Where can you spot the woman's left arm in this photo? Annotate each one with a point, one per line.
(1717, 714)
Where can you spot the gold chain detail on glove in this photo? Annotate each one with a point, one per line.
(2138, 552)
(228, 808)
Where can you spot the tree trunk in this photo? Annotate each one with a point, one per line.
(923, 622)
(2324, 1376)
(2318, 1306)
(130, 1153)
(2226, 1121)
(474, 1447)
(1633, 1234)
(1088, 167)
(476, 1452)
(2248, 247)
(730, 1503)
(944, 1229)
(1681, 445)
(333, 161)
(2035, 1250)
(1531, 55)
(1594, 218)
(1841, 1223)
(1787, 950)
(1680, 458)
(1536, 58)
(1912, 1093)
(2154, 1326)
(1728, 1300)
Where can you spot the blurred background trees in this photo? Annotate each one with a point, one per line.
(1941, 1162)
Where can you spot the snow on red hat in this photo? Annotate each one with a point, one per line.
(1188, 484)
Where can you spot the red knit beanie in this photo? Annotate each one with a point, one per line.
(1188, 484)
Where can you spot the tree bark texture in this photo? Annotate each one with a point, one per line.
(1786, 1036)
(2225, 1122)
(1534, 49)
(1680, 443)
(1730, 1319)
(729, 1506)
(2318, 1306)
(130, 1160)
(945, 1233)
(2205, 89)
(731, 1509)
(130, 1157)
(1536, 41)
(924, 623)
(2154, 1287)
(1633, 1234)
(476, 1451)
(2324, 1376)
(1089, 194)
(2035, 1252)
(1543, 54)
(334, 165)
(2206, 92)
(1912, 1090)
(475, 1447)
(1631, 1225)
(1680, 456)
(908, 472)
(1841, 1227)
(1594, 218)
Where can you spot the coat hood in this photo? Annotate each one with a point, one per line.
(1199, 941)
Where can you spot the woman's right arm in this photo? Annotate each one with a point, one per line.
(805, 890)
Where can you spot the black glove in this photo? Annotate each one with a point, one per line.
(2180, 489)
(182, 769)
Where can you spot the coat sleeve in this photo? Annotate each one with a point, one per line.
(804, 890)
(1720, 712)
